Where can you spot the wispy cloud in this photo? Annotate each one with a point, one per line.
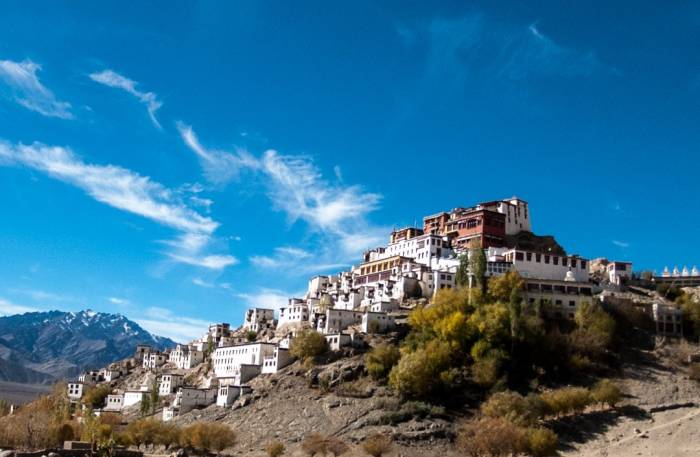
(283, 257)
(113, 79)
(128, 191)
(163, 322)
(478, 47)
(23, 86)
(43, 296)
(295, 185)
(621, 244)
(219, 167)
(118, 301)
(8, 308)
(202, 283)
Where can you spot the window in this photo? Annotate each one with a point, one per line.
(555, 260)
(546, 259)
(573, 263)
(529, 256)
(538, 258)
(519, 256)
(572, 303)
(563, 261)
(583, 264)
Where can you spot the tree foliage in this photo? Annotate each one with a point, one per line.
(308, 344)
(381, 359)
(95, 397)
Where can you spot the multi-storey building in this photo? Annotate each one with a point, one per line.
(485, 224)
(258, 318)
(296, 312)
(233, 361)
(169, 383)
(186, 356)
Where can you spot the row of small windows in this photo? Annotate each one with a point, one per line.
(565, 261)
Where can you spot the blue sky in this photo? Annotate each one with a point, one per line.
(180, 161)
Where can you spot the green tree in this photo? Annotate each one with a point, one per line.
(541, 442)
(595, 329)
(462, 277)
(145, 405)
(381, 359)
(308, 344)
(95, 397)
(606, 392)
(477, 265)
(425, 371)
(153, 395)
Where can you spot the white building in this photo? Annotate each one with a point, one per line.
(295, 312)
(153, 360)
(242, 361)
(257, 319)
(90, 377)
(536, 265)
(142, 350)
(336, 320)
(133, 397)
(377, 322)
(169, 413)
(114, 402)
(516, 211)
(227, 394)
(189, 398)
(278, 360)
(169, 383)
(619, 271)
(75, 390)
(560, 299)
(410, 242)
(186, 356)
(339, 340)
(384, 306)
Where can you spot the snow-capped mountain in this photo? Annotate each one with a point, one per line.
(47, 346)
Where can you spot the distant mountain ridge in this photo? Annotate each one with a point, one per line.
(43, 347)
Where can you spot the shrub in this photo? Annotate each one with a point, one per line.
(208, 436)
(275, 449)
(491, 436)
(606, 392)
(336, 446)
(324, 382)
(566, 400)
(410, 410)
(381, 359)
(423, 372)
(541, 442)
(251, 335)
(308, 344)
(314, 444)
(523, 411)
(595, 329)
(377, 445)
(95, 397)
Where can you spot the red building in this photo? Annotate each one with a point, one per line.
(469, 227)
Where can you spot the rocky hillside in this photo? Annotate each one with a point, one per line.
(46, 346)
